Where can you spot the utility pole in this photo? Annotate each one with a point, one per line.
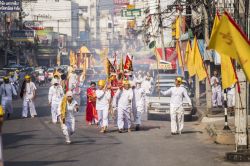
(161, 31)
(206, 35)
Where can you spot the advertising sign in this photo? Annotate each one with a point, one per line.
(10, 6)
(121, 2)
(23, 35)
(35, 25)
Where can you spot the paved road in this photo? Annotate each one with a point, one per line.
(37, 142)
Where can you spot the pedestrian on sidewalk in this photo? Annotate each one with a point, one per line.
(55, 96)
(216, 90)
(123, 102)
(66, 110)
(28, 93)
(103, 97)
(139, 102)
(176, 110)
(7, 91)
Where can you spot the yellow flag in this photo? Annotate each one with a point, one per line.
(72, 58)
(157, 55)
(177, 28)
(104, 53)
(198, 63)
(189, 60)
(227, 71)
(178, 52)
(216, 23)
(229, 40)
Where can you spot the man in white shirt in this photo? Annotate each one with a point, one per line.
(103, 97)
(55, 96)
(7, 90)
(29, 93)
(216, 90)
(176, 110)
(139, 103)
(66, 110)
(123, 102)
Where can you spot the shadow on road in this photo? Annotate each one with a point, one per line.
(9, 138)
(36, 163)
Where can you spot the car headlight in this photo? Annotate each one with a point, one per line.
(155, 104)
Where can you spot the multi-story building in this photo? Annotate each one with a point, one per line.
(55, 16)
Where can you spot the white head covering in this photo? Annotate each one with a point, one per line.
(69, 93)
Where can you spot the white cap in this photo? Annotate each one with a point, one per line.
(69, 93)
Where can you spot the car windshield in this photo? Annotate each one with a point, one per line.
(167, 77)
(157, 90)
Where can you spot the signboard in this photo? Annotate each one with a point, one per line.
(23, 35)
(162, 66)
(132, 13)
(121, 2)
(35, 25)
(10, 6)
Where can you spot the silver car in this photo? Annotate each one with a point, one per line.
(159, 105)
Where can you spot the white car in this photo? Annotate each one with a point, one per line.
(159, 105)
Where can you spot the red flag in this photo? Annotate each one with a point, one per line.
(128, 63)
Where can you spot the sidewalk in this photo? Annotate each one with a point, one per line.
(214, 126)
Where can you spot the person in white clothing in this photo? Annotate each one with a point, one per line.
(28, 93)
(231, 99)
(66, 110)
(139, 102)
(176, 110)
(72, 80)
(216, 90)
(146, 85)
(123, 102)
(55, 96)
(103, 97)
(7, 91)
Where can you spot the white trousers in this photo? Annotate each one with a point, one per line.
(124, 119)
(138, 118)
(103, 116)
(177, 119)
(54, 115)
(28, 106)
(216, 96)
(68, 128)
(230, 100)
(7, 105)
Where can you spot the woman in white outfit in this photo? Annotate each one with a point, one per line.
(66, 110)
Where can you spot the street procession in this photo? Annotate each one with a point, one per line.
(124, 82)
